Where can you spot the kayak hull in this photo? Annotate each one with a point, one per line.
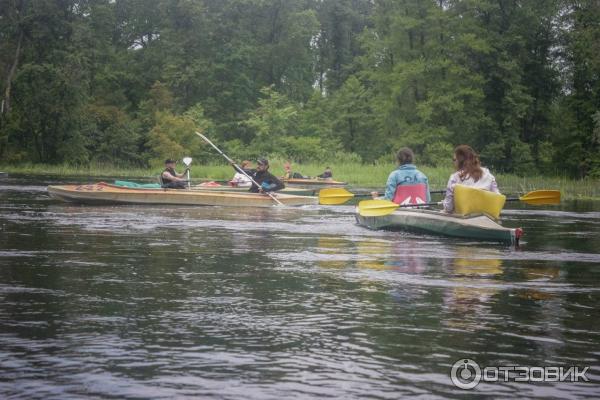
(101, 193)
(313, 182)
(478, 227)
(294, 191)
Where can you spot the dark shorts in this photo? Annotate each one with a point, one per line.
(175, 185)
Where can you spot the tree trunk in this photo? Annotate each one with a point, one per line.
(11, 73)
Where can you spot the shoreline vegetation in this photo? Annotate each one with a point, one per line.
(357, 176)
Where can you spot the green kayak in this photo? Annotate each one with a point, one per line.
(287, 190)
(478, 227)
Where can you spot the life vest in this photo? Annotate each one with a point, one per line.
(167, 180)
(410, 194)
(210, 184)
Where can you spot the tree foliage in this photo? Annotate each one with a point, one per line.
(129, 81)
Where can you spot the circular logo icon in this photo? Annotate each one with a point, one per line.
(465, 373)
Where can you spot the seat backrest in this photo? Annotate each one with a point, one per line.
(410, 194)
(470, 200)
(160, 180)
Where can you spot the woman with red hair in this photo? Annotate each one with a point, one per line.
(469, 172)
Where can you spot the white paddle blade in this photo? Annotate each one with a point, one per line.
(187, 161)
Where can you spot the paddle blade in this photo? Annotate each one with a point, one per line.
(334, 196)
(541, 197)
(376, 208)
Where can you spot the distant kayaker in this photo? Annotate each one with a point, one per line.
(289, 174)
(170, 178)
(327, 174)
(406, 184)
(267, 182)
(288, 170)
(469, 172)
(240, 179)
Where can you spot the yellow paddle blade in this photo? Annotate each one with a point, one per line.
(334, 196)
(376, 208)
(541, 197)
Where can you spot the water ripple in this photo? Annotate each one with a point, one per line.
(209, 302)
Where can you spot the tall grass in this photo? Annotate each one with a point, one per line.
(95, 170)
(357, 175)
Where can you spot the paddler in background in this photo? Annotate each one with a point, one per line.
(289, 174)
(240, 179)
(267, 181)
(469, 172)
(406, 184)
(327, 174)
(170, 179)
(288, 170)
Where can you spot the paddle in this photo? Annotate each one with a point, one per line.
(237, 166)
(378, 208)
(188, 161)
(335, 196)
(539, 197)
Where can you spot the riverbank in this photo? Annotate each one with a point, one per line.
(357, 175)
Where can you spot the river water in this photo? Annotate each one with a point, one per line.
(160, 302)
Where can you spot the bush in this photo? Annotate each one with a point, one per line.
(492, 155)
(521, 159)
(346, 158)
(436, 154)
(302, 149)
(173, 137)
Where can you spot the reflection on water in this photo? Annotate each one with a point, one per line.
(466, 299)
(209, 302)
(331, 252)
(541, 275)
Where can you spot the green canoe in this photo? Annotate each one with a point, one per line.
(478, 227)
(288, 190)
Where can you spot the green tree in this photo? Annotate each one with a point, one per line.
(274, 118)
(576, 134)
(112, 137)
(337, 43)
(353, 121)
(418, 61)
(173, 137)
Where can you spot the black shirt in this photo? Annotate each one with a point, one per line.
(267, 177)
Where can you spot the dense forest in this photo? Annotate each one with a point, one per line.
(127, 82)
